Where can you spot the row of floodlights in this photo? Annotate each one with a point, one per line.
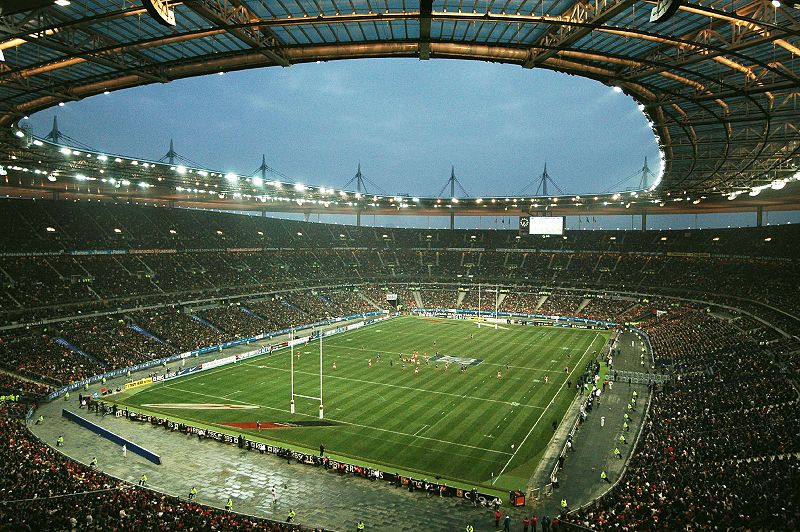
(395, 201)
(626, 199)
(777, 184)
(233, 178)
(117, 230)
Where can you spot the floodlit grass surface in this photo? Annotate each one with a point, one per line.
(458, 425)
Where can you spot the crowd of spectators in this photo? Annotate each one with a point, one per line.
(523, 302)
(13, 384)
(315, 304)
(279, 313)
(444, 298)
(683, 336)
(177, 328)
(35, 353)
(561, 304)
(605, 308)
(233, 321)
(37, 291)
(93, 345)
(191, 254)
(720, 443)
(113, 342)
(44, 490)
(349, 302)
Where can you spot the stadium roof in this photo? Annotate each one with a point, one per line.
(718, 81)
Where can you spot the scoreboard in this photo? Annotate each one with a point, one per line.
(541, 225)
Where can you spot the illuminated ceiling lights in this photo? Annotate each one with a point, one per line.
(230, 176)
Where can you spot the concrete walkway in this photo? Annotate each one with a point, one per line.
(594, 442)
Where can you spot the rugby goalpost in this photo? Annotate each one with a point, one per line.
(496, 304)
(291, 356)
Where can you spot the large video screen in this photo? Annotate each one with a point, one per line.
(546, 225)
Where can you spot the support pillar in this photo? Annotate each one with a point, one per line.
(358, 217)
(56, 195)
(644, 221)
(306, 215)
(452, 220)
(760, 216)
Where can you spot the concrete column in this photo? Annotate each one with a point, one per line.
(644, 220)
(452, 220)
(358, 217)
(760, 216)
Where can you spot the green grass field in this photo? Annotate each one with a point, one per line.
(468, 427)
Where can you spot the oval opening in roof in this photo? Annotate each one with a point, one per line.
(406, 121)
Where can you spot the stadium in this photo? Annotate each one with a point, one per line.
(183, 347)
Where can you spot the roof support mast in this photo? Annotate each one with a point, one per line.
(453, 181)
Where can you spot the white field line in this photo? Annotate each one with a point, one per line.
(399, 353)
(354, 424)
(545, 411)
(328, 376)
(492, 326)
(208, 395)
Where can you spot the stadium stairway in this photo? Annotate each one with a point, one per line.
(144, 332)
(364, 296)
(75, 349)
(418, 299)
(207, 323)
(460, 298)
(250, 312)
(582, 306)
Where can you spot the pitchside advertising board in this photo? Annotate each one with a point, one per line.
(541, 225)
